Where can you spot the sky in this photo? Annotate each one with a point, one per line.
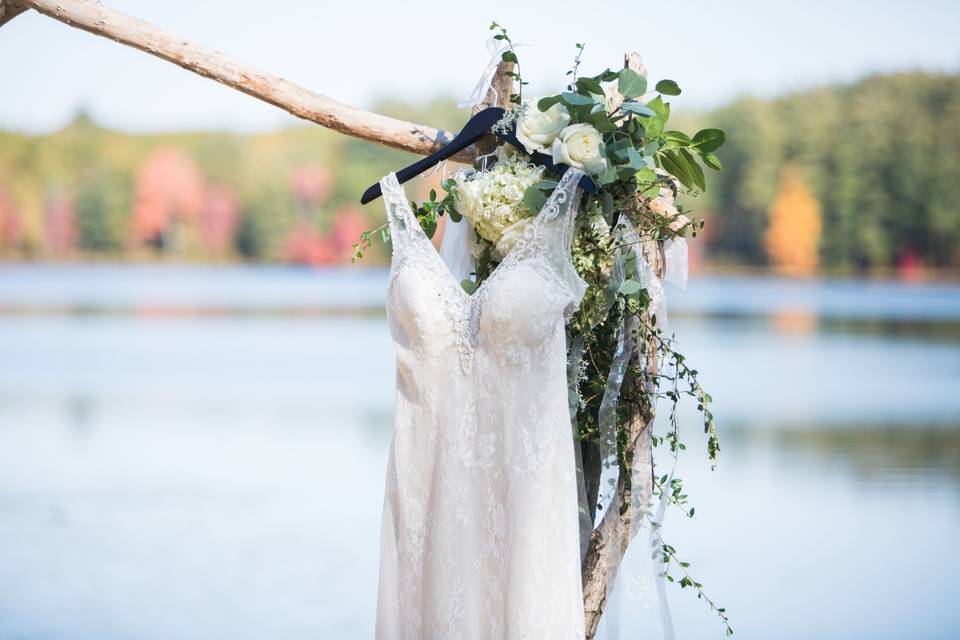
(358, 51)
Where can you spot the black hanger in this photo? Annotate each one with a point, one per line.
(477, 127)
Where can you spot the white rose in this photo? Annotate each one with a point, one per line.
(579, 146)
(537, 129)
(510, 236)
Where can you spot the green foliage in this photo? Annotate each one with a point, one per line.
(102, 205)
(880, 155)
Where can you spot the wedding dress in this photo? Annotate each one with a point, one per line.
(480, 529)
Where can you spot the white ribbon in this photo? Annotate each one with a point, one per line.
(495, 48)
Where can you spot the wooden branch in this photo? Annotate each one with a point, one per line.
(609, 541)
(9, 10)
(108, 23)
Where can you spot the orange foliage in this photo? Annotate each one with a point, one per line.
(793, 236)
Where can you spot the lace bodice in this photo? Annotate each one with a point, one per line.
(480, 530)
(533, 279)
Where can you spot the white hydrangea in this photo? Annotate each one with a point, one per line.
(493, 200)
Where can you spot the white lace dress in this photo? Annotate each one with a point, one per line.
(480, 536)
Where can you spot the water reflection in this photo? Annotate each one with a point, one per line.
(199, 453)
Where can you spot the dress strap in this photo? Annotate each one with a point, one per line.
(398, 212)
(559, 220)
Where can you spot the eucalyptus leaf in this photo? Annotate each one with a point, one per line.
(629, 287)
(634, 160)
(576, 100)
(637, 108)
(668, 88)
(534, 199)
(631, 84)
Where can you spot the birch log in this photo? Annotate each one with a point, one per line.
(610, 539)
(303, 103)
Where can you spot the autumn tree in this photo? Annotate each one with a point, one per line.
(793, 235)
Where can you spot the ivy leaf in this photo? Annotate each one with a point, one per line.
(712, 161)
(509, 56)
(468, 285)
(668, 88)
(708, 140)
(631, 84)
(637, 108)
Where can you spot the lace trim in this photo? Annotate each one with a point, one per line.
(461, 307)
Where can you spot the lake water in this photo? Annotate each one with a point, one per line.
(200, 452)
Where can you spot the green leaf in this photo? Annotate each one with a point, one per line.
(676, 166)
(576, 100)
(607, 75)
(509, 56)
(601, 121)
(608, 176)
(468, 285)
(589, 85)
(678, 137)
(634, 160)
(631, 84)
(534, 198)
(696, 173)
(637, 108)
(712, 161)
(708, 140)
(629, 287)
(668, 88)
(545, 103)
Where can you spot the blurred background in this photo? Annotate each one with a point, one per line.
(196, 384)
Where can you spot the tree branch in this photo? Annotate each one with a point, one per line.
(108, 23)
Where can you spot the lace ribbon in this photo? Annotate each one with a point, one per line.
(637, 565)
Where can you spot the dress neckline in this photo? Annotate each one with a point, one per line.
(527, 235)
